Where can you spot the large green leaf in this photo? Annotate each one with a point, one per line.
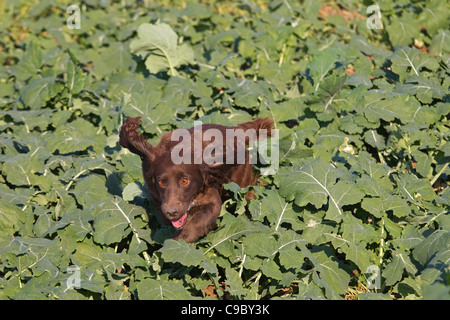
(158, 46)
(393, 271)
(90, 189)
(9, 217)
(182, 252)
(232, 228)
(402, 30)
(321, 65)
(316, 183)
(332, 278)
(425, 250)
(39, 91)
(114, 220)
(31, 62)
(387, 107)
(150, 289)
(77, 135)
(275, 208)
(410, 61)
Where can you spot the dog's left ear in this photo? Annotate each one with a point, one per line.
(215, 174)
(219, 158)
(217, 169)
(129, 138)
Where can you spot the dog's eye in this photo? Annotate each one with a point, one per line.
(162, 183)
(184, 181)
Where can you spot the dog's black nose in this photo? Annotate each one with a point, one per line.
(169, 211)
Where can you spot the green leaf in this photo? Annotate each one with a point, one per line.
(75, 79)
(397, 205)
(32, 119)
(39, 91)
(355, 231)
(87, 254)
(271, 269)
(232, 228)
(436, 291)
(410, 61)
(261, 245)
(393, 272)
(182, 252)
(423, 166)
(356, 236)
(425, 250)
(117, 292)
(114, 221)
(150, 289)
(414, 189)
(373, 206)
(434, 17)
(275, 208)
(409, 239)
(31, 62)
(32, 256)
(440, 43)
(316, 228)
(373, 296)
(77, 135)
(132, 190)
(374, 139)
(321, 65)
(158, 46)
(437, 268)
(310, 291)
(387, 107)
(116, 57)
(89, 189)
(402, 31)
(308, 183)
(18, 170)
(315, 183)
(9, 217)
(234, 283)
(424, 89)
(332, 277)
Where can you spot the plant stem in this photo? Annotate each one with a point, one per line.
(172, 70)
(439, 173)
(381, 253)
(75, 178)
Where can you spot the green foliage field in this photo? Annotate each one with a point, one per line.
(359, 208)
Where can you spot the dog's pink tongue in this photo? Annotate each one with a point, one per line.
(178, 223)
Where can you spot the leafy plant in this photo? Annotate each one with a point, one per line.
(157, 45)
(359, 208)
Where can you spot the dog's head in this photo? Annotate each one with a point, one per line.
(172, 185)
(177, 186)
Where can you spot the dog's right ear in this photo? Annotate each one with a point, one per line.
(132, 140)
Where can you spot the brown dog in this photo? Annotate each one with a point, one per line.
(187, 193)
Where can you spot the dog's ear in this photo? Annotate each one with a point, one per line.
(217, 166)
(132, 140)
(215, 174)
